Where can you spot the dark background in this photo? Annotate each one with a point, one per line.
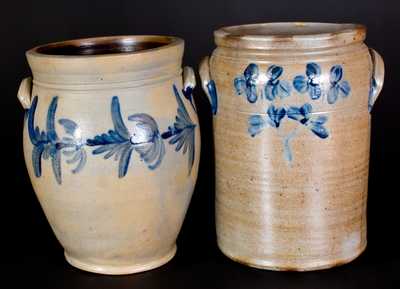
(32, 257)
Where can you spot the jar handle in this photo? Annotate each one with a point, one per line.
(377, 77)
(25, 92)
(189, 83)
(208, 84)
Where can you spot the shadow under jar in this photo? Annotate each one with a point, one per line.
(291, 106)
(112, 144)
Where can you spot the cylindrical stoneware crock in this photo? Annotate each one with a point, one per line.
(112, 144)
(292, 135)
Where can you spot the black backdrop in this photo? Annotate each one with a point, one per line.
(30, 253)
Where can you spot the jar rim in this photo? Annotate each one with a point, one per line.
(106, 59)
(104, 46)
(289, 35)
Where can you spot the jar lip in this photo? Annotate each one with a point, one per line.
(106, 59)
(289, 35)
(105, 46)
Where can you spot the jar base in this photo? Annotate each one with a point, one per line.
(120, 270)
(312, 266)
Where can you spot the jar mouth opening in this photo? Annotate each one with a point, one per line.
(292, 34)
(104, 46)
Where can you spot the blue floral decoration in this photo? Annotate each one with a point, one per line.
(275, 87)
(302, 114)
(273, 118)
(182, 132)
(246, 83)
(310, 82)
(314, 123)
(338, 87)
(120, 142)
(48, 145)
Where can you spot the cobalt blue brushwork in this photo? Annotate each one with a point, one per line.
(275, 115)
(275, 87)
(48, 145)
(303, 115)
(182, 132)
(310, 82)
(212, 91)
(246, 83)
(338, 86)
(119, 142)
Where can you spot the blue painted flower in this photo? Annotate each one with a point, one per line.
(246, 83)
(212, 91)
(338, 87)
(144, 139)
(310, 82)
(275, 87)
(47, 144)
(304, 115)
(182, 133)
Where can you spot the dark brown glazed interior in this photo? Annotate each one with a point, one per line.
(102, 46)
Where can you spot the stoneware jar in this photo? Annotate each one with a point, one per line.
(112, 144)
(291, 104)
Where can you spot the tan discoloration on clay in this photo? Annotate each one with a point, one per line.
(310, 214)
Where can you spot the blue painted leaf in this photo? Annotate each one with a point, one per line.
(315, 91)
(251, 72)
(119, 125)
(36, 159)
(276, 115)
(212, 91)
(274, 72)
(313, 70)
(336, 74)
(50, 121)
(269, 92)
(124, 160)
(301, 114)
(344, 88)
(251, 93)
(34, 134)
(333, 94)
(283, 89)
(256, 124)
(56, 164)
(240, 85)
(113, 149)
(300, 83)
(317, 126)
(69, 125)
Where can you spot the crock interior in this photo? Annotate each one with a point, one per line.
(103, 45)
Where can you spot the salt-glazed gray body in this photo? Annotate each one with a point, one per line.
(291, 104)
(112, 144)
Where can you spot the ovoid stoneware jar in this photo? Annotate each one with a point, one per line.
(112, 144)
(292, 135)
